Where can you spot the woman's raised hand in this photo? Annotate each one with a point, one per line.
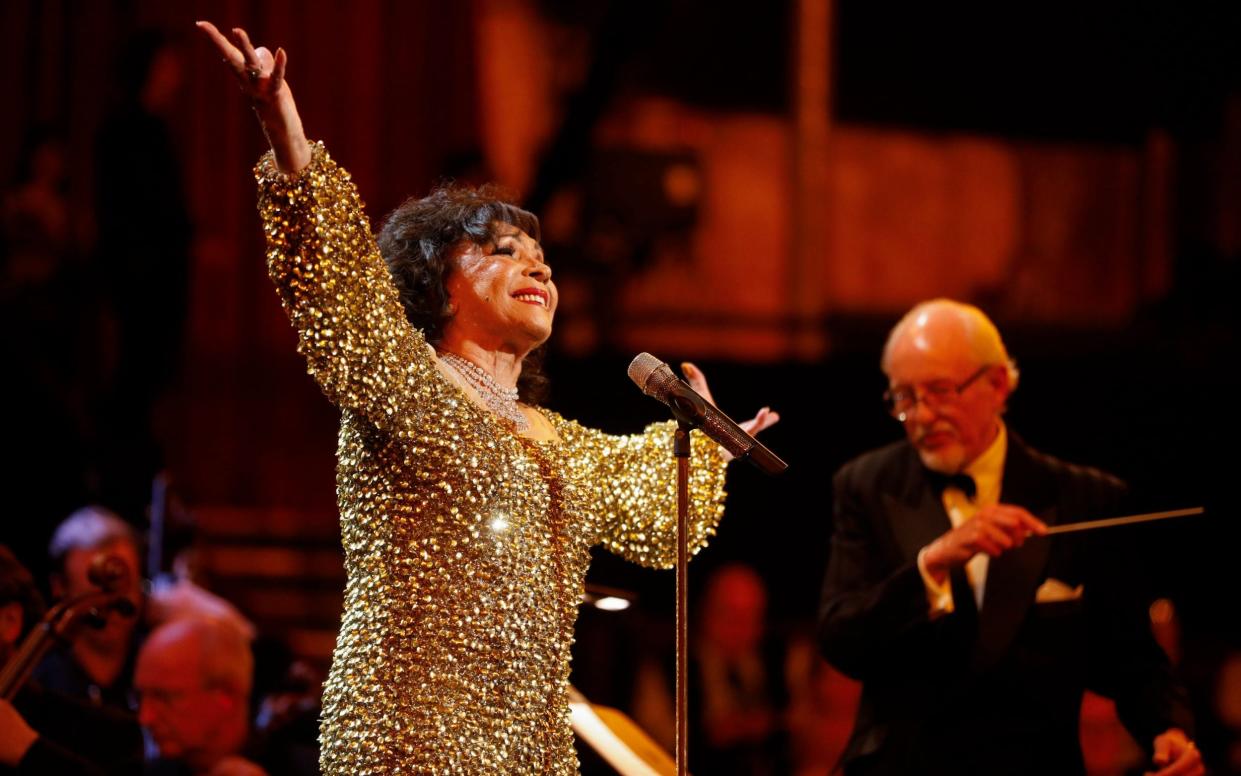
(766, 417)
(260, 74)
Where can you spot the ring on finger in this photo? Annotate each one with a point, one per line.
(253, 73)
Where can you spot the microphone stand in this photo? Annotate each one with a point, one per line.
(691, 411)
(681, 449)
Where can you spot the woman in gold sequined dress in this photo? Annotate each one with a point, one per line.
(467, 512)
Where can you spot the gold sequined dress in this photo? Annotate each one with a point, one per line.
(466, 545)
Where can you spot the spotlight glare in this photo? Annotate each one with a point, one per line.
(611, 603)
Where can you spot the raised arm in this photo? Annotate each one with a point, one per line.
(324, 261)
(260, 74)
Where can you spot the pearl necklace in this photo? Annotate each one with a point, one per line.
(500, 400)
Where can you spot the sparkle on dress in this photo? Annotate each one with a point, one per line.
(465, 545)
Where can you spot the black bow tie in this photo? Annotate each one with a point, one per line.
(960, 480)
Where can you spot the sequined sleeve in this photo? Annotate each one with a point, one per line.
(630, 484)
(338, 293)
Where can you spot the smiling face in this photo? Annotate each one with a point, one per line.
(502, 293)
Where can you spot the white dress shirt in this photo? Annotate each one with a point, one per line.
(987, 471)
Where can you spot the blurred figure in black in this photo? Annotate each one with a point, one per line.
(144, 257)
(38, 239)
(738, 694)
(44, 732)
(48, 348)
(286, 722)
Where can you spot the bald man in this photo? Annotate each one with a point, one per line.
(193, 682)
(975, 636)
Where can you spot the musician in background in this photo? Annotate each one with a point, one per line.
(738, 691)
(973, 635)
(43, 731)
(99, 665)
(193, 681)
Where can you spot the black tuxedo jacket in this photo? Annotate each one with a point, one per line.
(996, 691)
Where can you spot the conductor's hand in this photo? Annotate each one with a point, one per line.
(766, 417)
(994, 529)
(1176, 755)
(260, 74)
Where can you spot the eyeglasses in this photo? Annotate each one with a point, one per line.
(159, 696)
(902, 399)
(170, 697)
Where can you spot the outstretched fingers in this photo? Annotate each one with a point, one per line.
(278, 64)
(247, 48)
(765, 418)
(261, 76)
(233, 56)
(259, 72)
(259, 62)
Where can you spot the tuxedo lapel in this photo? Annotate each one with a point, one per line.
(915, 512)
(916, 525)
(917, 516)
(1013, 577)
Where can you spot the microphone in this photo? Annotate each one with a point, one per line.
(657, 379)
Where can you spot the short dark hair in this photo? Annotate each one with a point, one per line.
(418, 241)
(17, 585)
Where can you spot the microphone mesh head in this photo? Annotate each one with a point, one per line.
(642, 367)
